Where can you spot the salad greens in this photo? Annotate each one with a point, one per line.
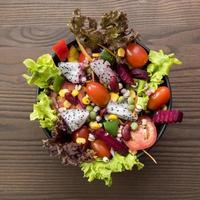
(158, 68)
(112, 31)
(101, 170)
(43, 112)
(43, 72)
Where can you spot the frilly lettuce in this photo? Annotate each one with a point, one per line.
(103, 170)
(160, 66)
(43, 72)
(43, 112)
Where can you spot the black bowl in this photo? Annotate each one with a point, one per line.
(160, 128)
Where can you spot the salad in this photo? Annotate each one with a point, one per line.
(102, 97)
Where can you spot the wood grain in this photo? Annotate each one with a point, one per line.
(28, 29)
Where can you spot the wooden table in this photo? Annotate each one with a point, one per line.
(28, 28)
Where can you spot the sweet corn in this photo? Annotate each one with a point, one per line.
(114, 96)
(132, 94)
(62, 92)
(86, 100)
(121, 52)
(66, 104)
(95, 55)
(74, 92)
(112, 117)
(95, 125)
(80, 140)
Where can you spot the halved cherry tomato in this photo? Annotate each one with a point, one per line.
(61, 50)
(159, 98)
(136, 55)
(144, 136)
(100, 148)
(81, 136)
(81, 57)
(97, 93)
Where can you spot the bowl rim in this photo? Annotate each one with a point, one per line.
(166, 81)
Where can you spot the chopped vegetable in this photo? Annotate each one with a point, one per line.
(168, 116)
(124, 74)
(61, 50)
(103, 170)
(111, 127)
(140, 74)
(105, 55)
(111, 141)
(73, 54)
(43, 112)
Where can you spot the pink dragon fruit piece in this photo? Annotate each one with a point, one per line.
(74, 118)
(72, 71)
(102, 69)
(119, 109)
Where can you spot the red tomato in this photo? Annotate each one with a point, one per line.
(159, 98)
(136, 55)
(61, 50)
(97, 93)
(100, 148)
(81, 57)
(81, 136)
(142, 138)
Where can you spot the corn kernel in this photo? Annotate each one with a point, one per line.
(96, 55)
(132, 94)
(121, 52)
(74, 92)
(114, 96)
(95, 125)
(86, 100)
(62, 92)
(80, 140)
(112, 117)
(66, 104)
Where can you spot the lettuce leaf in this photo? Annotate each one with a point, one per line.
(103, 170)
(43, 72)
(43, 112)
(160, 66)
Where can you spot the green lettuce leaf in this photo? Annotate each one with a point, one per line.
(43, 72)
(43, 112)
(160, 66)
(142, 102)
(103, 170)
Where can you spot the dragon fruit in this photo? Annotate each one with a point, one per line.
(102, 69)
(72, 71)
(74, 118)
(119, 109)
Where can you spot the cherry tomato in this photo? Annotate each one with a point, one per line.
(81, 136)
(144, 136)
(97, 93)
(100, 148)
(81, 57)
(136, 55)
(159, 98)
